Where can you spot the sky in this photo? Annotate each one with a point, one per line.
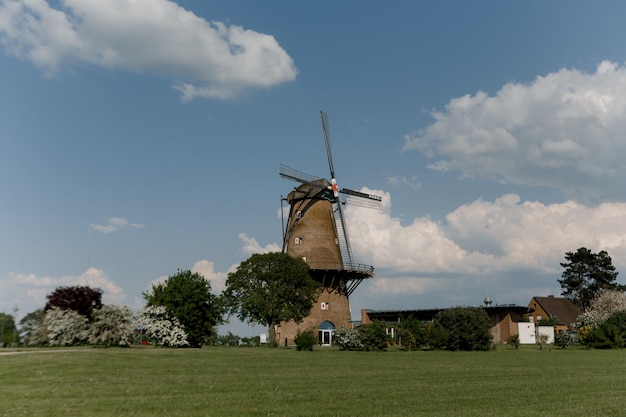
(142, 137)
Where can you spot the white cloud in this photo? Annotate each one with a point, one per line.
(207, 58)
(563, 130)
(412, 182)
(251, 246)
(115, 224)
(28, 291)
(514, 245)
(207, 270)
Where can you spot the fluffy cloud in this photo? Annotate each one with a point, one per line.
(210, 59)
(207, 270)
(115, 224)
(28, 291)
(507, 244)
(251, 246)
(563, 130)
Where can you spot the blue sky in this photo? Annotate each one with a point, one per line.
(142, 137)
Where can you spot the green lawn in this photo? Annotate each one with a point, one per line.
(284, 382)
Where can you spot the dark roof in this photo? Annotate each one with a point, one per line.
(563, 308)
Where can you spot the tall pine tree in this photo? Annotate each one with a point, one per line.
(586, 275)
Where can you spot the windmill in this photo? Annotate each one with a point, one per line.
(316, 232)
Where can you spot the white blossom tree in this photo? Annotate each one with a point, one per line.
(60, 328)
(601, 308)
(112, 325)
(163, 328)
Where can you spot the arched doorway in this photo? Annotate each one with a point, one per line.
(325, 333)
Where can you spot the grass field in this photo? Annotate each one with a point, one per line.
(284, 382)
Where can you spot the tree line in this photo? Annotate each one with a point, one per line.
(267, 289)
(181, 311)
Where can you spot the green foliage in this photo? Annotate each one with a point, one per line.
(348, 339)
(466, 328)
(254, 341)
(82, 299)
(228, 339)
(548, 321)
(435, 336)
(513, 340)
(562, 339)
(374, 336)
(305, 340)
(187, 296)
(606, 336)
(270, 288)
(29, 323)
(610, 334)
(586, 275)
(411, 333)
(8, 330)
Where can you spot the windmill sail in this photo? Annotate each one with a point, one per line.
(330, 191)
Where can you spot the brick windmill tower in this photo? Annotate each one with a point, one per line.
(316, 232)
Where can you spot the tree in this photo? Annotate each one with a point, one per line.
(465, 328)
(112, 326)
(270, 288)
(411, 333)
(187, 297)
(7, 329)
(374, 335)
(163, 328)
(29, 323)
(82, 299)
(60, 328)
(586, 275)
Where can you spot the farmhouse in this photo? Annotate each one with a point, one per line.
(504, 318)
(563, 310)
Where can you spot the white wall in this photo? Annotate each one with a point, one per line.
(526, 332)
(547, 330)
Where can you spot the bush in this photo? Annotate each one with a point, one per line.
(61, 328)
(305, 340)
(163, 328)
(563, 339)
(374, 336)
(465, 328)
(542, 340)
(411, 333)
(435, 336)
(607, 336)
(112, 326)
(513, 340)
(348, 339)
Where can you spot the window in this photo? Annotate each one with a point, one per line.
(325, 306)
(298, 240)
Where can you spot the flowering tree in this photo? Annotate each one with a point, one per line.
(163, 328)
(601, 308)
(348, 339)
(112, 326)
(60, 328)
